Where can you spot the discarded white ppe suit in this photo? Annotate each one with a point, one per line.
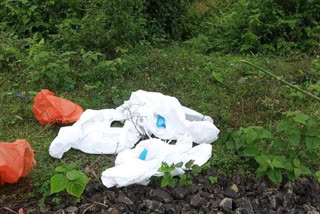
(129, 169)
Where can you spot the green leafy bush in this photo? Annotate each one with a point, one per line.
(270, 26)
(292, 149)
(67, 178)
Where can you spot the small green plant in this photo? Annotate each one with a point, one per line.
(184, 180)
(212, 179)
(67, 178)
(291, 150)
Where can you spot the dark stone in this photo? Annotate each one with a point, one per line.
(255, 204)
(160, 195)
(170, 209)
(262, 188)
(180, 192)
(215, 203)
(124, 200)
(206, 194)
(196, 200)
(230, 193)
(153, 205)
(226, 204)
(111, 196)
(245, 204)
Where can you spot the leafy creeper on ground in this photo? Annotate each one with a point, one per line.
(292, 149)
(67, 178)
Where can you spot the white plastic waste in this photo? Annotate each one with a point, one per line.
(92, 134)
(145, 113)
(130, 169)
(146, 107)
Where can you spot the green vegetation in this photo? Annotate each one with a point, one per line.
(67, 178)
(96, 52)
(297, 139)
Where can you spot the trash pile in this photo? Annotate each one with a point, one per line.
(151, 121)
(159, 117)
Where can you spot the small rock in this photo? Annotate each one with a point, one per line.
(124, 200)
(206, 194)
(235, 188)
(154, 205)
(160, 195)
(245, 205)
(45, 209)
(308, 208)
(111, 196)
(61, 211)
(170, 209)
(71, 210)
(113, 211)
(226, 204)
(196, 200)
(180, 192)
(255, 204)
(231, 193)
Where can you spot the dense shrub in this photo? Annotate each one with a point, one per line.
(266, 26)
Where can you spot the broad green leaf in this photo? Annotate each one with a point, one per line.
(297, 172)
(296, 162)
(58, 183)
(303, 170)
(263, 133)
(279, 162)
(294, 139)
(251, 134)
(76, 187)
(263, 163)
(311, 142)
(179, 165)
(164, 182)
(301, 118)
(189, 164)
(217, 76)
(275, 175)
(75, 174)
(283, 125)
(251, 151)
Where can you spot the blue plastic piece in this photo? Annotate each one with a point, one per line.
(143, 154)
(161, 122)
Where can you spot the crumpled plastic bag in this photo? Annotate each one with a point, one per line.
(145, 113)
(16, 160)
(130, 169)
(48, 108)
(146, 108)
(93, 134)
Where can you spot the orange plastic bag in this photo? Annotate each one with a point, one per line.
(48, 108)
(16, 160)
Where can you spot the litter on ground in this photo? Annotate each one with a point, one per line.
(16, 160)
(153, 115)
(48, 108)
